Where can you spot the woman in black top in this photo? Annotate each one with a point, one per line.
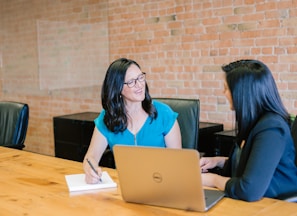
(262, 162)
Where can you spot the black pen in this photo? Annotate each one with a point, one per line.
(93, 168)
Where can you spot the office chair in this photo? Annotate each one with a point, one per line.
(107, 159)
(294, 136)
(188, 119)
(293, 197)
(14, 118)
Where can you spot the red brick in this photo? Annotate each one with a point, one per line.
(180, 44)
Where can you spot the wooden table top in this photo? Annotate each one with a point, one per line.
(34, 184)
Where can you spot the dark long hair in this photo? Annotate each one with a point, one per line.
(115, 117)
(254, 93)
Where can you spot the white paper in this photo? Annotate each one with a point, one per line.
(76, 182)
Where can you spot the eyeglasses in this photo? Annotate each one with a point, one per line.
(131, 83)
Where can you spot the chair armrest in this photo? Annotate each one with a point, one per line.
(291, 199)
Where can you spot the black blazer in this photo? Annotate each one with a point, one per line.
(266, 167)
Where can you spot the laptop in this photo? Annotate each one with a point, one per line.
(163, 177)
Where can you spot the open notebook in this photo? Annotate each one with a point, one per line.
(163, 177)
(76, 182)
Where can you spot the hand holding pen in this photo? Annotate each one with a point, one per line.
(98, 177)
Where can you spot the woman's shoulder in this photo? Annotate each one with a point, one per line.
(99, 119)
(272, 120)
(160, 106)
(274, 117)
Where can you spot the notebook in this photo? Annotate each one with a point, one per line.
(76, 182)
(163, 177)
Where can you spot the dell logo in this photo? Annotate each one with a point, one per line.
(157, 177)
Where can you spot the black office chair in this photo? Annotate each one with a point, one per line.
(293, 197)
(188, 119)
(14, 117)
(107, 159)
(294, 135)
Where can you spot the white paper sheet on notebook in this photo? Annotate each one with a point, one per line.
(76, 182)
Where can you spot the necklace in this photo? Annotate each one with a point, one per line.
(135, 139)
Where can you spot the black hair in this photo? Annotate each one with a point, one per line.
(254, 92)
(115, 117)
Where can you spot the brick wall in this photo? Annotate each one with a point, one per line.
(180, 44)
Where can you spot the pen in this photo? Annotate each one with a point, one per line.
(93, 168)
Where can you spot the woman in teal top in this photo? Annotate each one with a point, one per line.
(129, 116)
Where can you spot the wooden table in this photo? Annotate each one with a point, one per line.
(34, 184)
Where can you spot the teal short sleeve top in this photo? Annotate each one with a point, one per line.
(151, 134)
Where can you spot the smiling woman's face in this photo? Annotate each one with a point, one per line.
(137, 92)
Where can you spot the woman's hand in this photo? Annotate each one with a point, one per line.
(91, 176)
(207, 163)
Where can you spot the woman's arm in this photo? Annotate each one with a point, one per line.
(214, 180)
(95, 151)
(257, 172)
(173, 138)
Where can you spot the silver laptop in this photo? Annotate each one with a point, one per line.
(163, 177)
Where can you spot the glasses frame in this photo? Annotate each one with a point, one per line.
(131, 83)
